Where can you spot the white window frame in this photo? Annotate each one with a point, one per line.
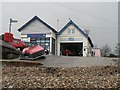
(71, 31)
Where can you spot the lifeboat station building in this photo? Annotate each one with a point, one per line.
(36, 31)
(70, 40)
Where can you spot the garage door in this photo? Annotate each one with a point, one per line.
(71, 49)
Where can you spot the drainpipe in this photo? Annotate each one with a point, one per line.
(57, 37)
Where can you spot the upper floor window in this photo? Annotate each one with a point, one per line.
(71, 31)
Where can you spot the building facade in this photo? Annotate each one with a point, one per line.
(38, 32)
(70, 40)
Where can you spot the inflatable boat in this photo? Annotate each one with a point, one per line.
(32, 53)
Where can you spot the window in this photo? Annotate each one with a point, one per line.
(38, 40)
(71, 31)
(45, 42)
(25, 39)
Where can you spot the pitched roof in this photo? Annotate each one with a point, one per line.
(72, 23)
(36, 18)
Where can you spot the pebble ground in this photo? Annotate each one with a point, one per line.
(53, 77)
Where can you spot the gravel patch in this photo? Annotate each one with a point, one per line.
(53, 77)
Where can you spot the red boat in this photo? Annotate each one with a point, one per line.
(17, 43)
(33, 52)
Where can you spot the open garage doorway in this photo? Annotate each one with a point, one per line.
(71, 49)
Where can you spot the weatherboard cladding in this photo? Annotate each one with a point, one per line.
(58, 33)
(36, 18)
(36, 27)
(72, 23)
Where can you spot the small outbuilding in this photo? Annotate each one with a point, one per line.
(96, 52)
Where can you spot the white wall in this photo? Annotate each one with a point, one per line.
(77, 35)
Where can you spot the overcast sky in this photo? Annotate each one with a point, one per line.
(101, 18)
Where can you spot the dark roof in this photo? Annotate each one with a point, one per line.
(36, 18)
(72, 23)
(90, 41)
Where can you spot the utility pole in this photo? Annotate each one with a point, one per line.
(11, 21)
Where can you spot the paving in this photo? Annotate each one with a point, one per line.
(71, 61)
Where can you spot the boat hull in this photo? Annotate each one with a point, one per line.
(32, 56)
(7, 51)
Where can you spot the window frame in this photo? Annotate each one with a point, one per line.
(71, 31)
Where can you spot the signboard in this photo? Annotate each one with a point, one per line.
(33, 39)
(71, 39)
(36, 35)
